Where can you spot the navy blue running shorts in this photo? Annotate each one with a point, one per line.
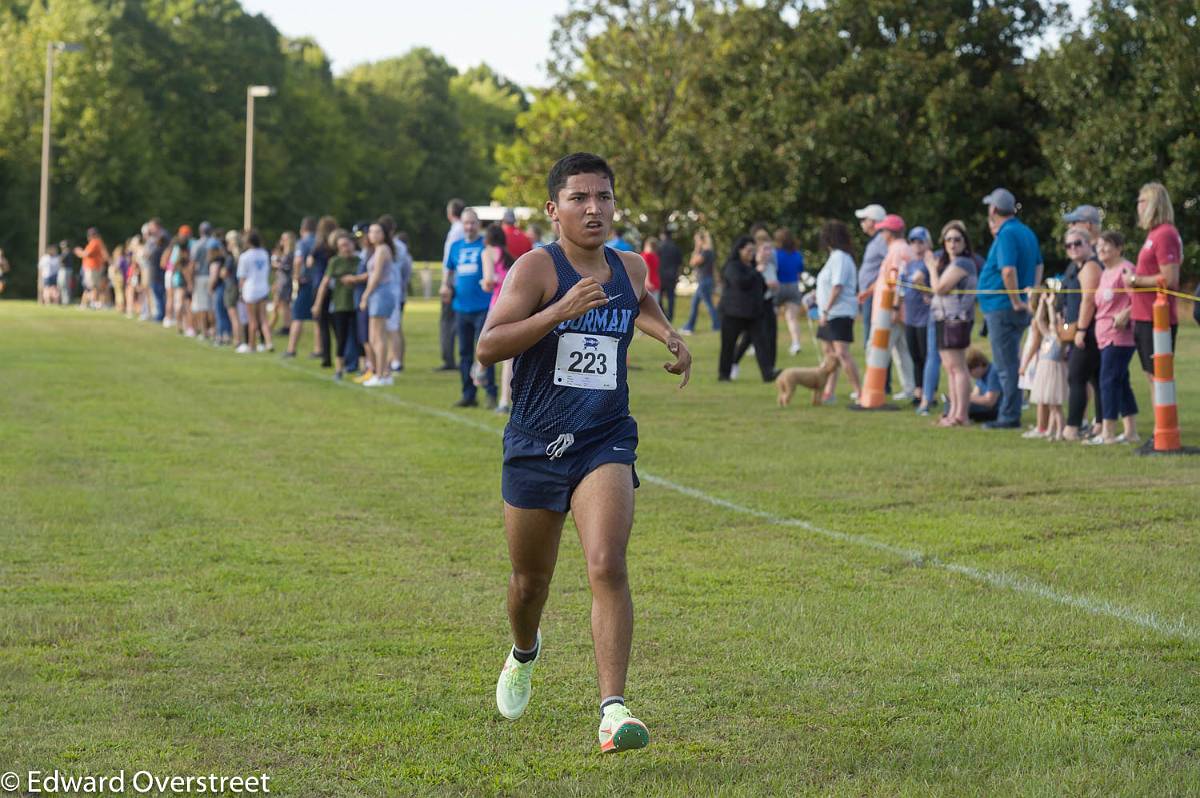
(541, 473)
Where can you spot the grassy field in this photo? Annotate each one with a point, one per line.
(233, 565)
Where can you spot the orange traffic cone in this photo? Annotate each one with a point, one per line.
(874, 395)
(1166, 413)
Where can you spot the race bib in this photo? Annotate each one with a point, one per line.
(586, 361)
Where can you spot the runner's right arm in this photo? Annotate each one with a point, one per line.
(515, 323)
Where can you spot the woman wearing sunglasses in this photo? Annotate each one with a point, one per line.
(1079, 311)
(953, 269)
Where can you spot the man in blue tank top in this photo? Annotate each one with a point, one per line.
(567, 313)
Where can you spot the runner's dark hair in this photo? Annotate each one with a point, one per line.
(577, 163)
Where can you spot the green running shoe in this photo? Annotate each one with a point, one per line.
(514, 686)
(621, 731)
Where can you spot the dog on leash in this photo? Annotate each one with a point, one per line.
(814, 378)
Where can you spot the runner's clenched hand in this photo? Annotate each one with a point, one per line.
(585, 295)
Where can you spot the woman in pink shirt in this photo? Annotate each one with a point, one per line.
(496, 263)
(1161, 256)
(1114, 336)
(650, 255)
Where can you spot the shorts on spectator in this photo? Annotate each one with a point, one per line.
(788, 292)
(838, 329)
(283, 288)
(200, 298)
(1143, 339)
(381, 303)
(302, 305)
(92, 279)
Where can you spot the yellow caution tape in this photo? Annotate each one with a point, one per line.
(986, 291)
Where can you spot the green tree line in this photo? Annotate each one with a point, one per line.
(727, 113)
(713, 112)
(149, 120)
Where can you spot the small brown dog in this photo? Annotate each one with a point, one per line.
(814, 378)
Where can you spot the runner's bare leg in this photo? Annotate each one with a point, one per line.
(602, 507)
(533, 537)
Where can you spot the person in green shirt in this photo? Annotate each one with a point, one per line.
(344, 263)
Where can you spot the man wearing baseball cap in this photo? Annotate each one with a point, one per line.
(1014, 263)
(1085, 218)
(873, 255)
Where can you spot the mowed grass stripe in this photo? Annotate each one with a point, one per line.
(1015, 582)
(165, 607)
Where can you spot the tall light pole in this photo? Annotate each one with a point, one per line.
(251, 93)
(44, 211)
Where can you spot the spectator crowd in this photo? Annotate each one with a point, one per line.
(1062, 344)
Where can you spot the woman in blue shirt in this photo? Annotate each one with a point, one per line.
(789, 263)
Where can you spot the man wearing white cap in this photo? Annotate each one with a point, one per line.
(873, 255)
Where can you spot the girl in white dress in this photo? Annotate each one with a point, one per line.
(1048, 390)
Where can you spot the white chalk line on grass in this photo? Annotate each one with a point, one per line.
(1014, 582)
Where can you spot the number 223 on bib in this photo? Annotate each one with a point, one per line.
(586, 361)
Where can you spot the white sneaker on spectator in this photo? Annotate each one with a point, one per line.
(794, 349)
(260, 348)
(242, 349)
(189, 333)
(854, 396)
(733, 371)
(901, 396)
(373, 382)
(388, 380)
(1034, 433)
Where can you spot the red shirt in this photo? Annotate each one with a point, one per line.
(653, 281)
(1163, 245)
(516, 242)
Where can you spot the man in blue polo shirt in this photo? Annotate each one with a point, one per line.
(464, 265)
(1014, 263)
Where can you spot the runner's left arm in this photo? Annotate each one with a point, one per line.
(652, 322)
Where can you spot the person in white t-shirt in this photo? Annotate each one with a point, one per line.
(837, 304)
(254, 283)
(48, 268)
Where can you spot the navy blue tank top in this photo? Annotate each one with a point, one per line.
(559, 384)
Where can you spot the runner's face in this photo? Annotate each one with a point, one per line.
(585, 209)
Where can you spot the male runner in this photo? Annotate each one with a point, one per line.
(567, 314)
